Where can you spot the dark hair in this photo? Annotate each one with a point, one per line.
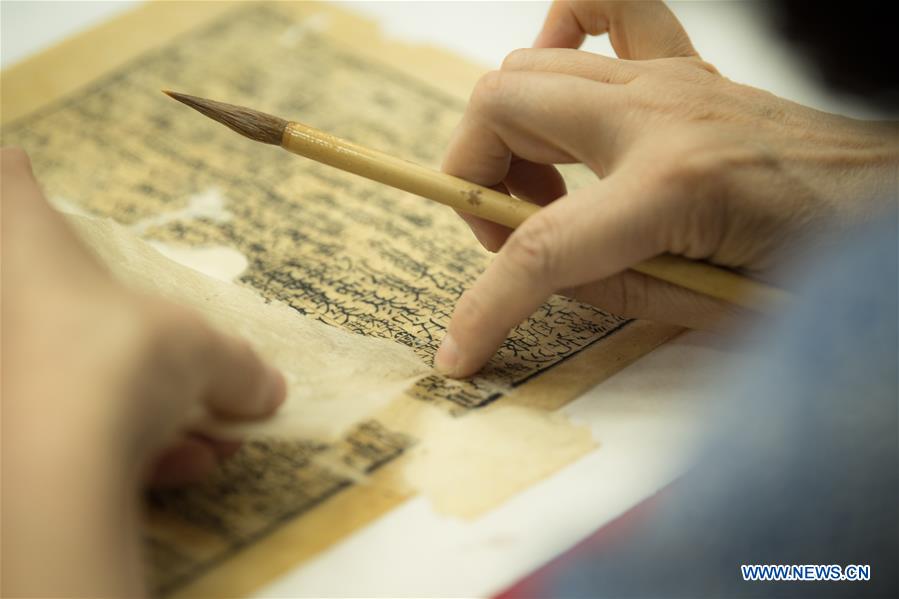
(854, 46)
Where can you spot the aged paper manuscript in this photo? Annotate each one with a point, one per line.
(332, 247)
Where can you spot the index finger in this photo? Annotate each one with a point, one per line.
(541, 117)
(535, 118)
(588, 235)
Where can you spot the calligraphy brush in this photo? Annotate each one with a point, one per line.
(464, 196)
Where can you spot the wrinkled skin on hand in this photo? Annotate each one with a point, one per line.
(688, 162)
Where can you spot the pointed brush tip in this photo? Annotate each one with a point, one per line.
(250, 123)
(183, 98)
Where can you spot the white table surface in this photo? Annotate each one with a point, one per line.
(645, 418)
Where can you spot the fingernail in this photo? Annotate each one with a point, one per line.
(447, 358)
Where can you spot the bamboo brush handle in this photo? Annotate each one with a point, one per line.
(497, 207)
(454, 192)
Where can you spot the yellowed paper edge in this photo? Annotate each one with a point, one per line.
(302, 538)
(336, 519)
(44, 78)
(60, 70)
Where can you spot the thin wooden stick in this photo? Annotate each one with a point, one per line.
(466, 197)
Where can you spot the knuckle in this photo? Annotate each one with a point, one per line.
(517, 60)
(532, 249)
(706, 66)
(681, 71)
(594, 17)
(489, 90)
